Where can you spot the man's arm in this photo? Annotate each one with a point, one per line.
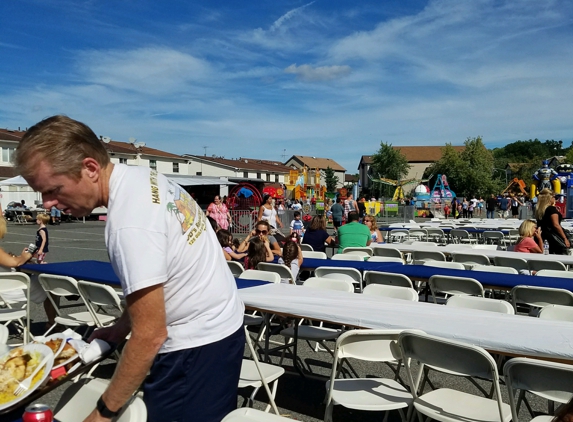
(148, 333)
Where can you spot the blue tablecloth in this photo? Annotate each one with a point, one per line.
(100, 272)
(423, 272)
(448, 229)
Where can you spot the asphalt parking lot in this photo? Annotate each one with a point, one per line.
(300, 398)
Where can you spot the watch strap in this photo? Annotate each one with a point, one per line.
(103, 409)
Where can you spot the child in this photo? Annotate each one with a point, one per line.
(225, 239)
(297, 226)
(259, 251)
(292, 257)
(42, 240)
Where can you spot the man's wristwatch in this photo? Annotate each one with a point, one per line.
(104, 411)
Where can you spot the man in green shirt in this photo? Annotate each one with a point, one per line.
(353, 234)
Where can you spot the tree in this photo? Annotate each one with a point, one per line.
(330, 179)
(390, 163)
(469, 172)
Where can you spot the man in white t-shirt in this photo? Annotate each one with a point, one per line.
(183, 309)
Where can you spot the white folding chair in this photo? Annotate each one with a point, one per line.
(366, 250)
(59, 286)
(436, 235)
(80, 398)
(385, 259)
(538, 265)
(306, 247)
(98, 296)
(480, 303)
(494, 269)
(3, 334)
(394, 292)
(419, 257)
(347, 257)
(446, 404)
(246, 414)
(261, 275)
(418, 234)
(257, 374)
(494, 237)
(13, 312)
(313, 254)
(470, 258)
(388, 252)
(346, 273)
(392, 279)
(398, 236)
(517, 263)
(447, 264)
(283, 271)
(461, 236)
(236, 268)
(318, 334)
(538, 297)
(371, 394)
(549, 380)
(554, 273)
(450, 285)
(556, 313)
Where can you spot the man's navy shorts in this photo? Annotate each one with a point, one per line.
(198, 384)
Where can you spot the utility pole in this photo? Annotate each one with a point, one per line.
(205, 151)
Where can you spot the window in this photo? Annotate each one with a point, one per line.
(175, 167)
(268, 177)
(199, 173)
(258, 175)
(246, 174)
(123, 161)
(153, 164)
(276, 178)
(7, 154)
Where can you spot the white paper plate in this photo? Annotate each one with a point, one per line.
(63, 337)
(44, 351)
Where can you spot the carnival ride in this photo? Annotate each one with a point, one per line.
(398, 184)
(306, 183)
(516, 186)
(440, 196)
(243, 199)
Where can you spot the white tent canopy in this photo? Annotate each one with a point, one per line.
(14, 181)
(181, 180)
(198, 180)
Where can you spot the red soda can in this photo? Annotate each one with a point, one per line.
(38, 413)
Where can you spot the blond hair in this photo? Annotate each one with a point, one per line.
(543, 201)
(527, 229)
(374, 226)
(44, 218)
(63, 143)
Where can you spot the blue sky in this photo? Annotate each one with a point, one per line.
(327, 78)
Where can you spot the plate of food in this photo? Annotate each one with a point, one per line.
(17, 365)
(63, 351)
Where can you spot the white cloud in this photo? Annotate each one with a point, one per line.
(308, 73)
(287, 16)
(151, 70)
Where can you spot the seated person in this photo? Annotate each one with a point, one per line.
(259, 251)
(262, 229)
(316, 234)
(530, 240)
(225, 239)
(292, 257)
(353, 234)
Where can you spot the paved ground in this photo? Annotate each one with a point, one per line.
(300, 398)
